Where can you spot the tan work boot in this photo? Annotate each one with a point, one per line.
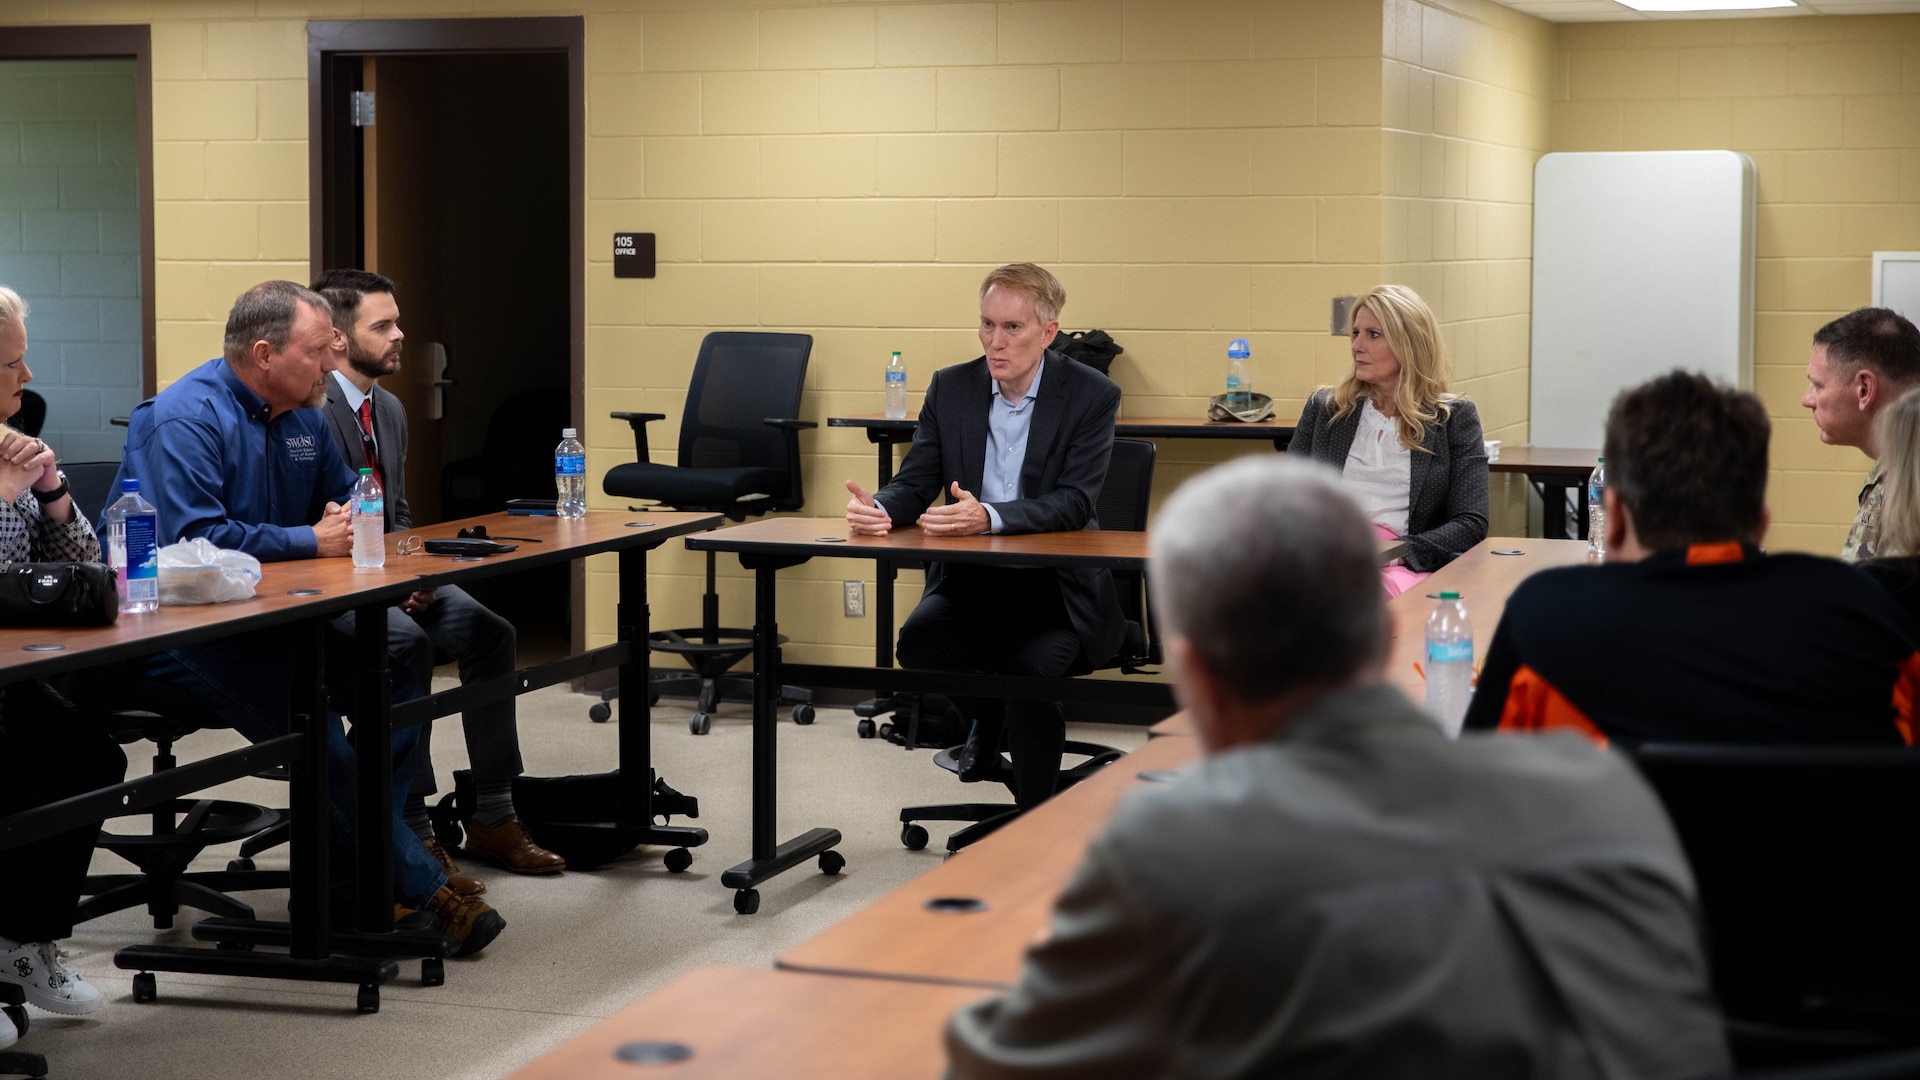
(466, 919)
(509, 845)
(456, 877)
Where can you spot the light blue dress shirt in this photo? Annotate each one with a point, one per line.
(1008, 425)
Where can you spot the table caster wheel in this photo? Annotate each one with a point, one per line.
(700, 723)
(803, 714)
(746, 901)
(433, 971)
(599, 712)
(832, 862)
(678, 860)
(914, 837)
(865, 729)
(241, 865)
(143, 987)
(368, 1000)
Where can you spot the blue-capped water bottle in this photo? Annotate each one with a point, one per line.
(896, 387)
(1596, 510)
(367, 514)
(133, 549)
(570, 476)
(1239, 383)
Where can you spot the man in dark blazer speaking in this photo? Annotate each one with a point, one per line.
(370, 426)
(1018, 440)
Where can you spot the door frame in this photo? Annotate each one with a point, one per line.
(112, 43)
(333, 182)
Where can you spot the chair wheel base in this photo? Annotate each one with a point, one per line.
(746, 901)
(678, 860)
(144, 989)
(913, 837)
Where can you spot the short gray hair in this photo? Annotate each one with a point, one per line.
(1270, 572)
(266, 313)
(12, 307)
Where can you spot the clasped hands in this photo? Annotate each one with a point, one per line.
(25, 462)
(962, 517)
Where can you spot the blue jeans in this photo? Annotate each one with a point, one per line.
(244, 683)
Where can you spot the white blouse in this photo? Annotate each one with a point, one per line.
(1379, 471)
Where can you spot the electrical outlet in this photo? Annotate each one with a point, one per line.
(856, 599)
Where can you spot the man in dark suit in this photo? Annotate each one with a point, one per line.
(370, 426)
(1030, 432)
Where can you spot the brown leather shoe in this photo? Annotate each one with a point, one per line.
(466, 919)
(509, 845)
(456, 877)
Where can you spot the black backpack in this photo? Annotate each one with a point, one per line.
(1094, 348)
(564, 814)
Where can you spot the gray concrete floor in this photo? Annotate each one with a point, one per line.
(577, 946)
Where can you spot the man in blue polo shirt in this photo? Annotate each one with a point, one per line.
(238, 452)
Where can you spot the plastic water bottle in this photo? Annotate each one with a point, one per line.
(570, 476)
(133, 549)
(896, 387)
(1449, 663)
(1239, 383)
(1597, 511)
(368, 511)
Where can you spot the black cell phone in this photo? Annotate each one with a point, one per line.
(457, 546)
(530, 506)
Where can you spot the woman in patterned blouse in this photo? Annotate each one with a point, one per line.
(52, 750)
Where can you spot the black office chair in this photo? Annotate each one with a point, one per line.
(1122, 505)
(91, 485)
(740, 456)
(13, 1010)
(32, 414)
(1801, 857)
(181, 828)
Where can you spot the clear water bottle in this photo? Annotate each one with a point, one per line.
(1449, 663)
(367, 510)
(570, 476)
(896, 388)
(1239, 383)
(133, 549)
(1597, 511)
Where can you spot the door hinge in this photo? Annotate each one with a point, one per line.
(362, 108)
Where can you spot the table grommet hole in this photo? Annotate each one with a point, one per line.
(652, 1052)
(641, 525)
(1158, 776)
(44, 646)
(956, 905)
(829, 539)
(1508, 551)
(306, 592)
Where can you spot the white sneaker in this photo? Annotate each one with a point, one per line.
(8, 1036)
(49, 983)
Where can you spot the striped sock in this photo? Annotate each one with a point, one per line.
(415, 815)
(493, 802)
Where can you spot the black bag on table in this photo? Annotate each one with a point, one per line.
(1094, 348)
(57, 594)
(567, 815)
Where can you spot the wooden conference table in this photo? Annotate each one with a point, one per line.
(726, 1023)
(1483, 579)
(304, 595)
(1553, 471)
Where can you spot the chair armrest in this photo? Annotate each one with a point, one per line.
(796, 493)
(639, 421)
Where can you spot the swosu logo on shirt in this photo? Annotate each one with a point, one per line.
(303, 449)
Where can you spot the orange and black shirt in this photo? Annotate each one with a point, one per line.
(1712, 643)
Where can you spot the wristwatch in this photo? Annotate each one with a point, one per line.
(54, 496)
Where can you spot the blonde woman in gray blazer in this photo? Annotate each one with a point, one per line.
(1411, 452)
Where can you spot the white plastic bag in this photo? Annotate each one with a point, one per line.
(196, 572)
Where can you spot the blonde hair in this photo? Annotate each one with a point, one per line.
(1897, 429)
(12, 308)
(1049, 296)
(1413, 334)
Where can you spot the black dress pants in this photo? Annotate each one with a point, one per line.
(51, 752)
(1004, 622)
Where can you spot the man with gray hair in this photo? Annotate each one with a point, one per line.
(238, 452)
(1338, 889)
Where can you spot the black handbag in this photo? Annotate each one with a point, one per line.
(57, 594)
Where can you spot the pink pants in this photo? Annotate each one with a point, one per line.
(1397, 579)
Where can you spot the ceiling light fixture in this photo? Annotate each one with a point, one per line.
(1705, 5)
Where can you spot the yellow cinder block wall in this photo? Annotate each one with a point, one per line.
(1829, 110)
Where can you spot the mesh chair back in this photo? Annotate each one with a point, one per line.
(1123, 505)
(739, 380)
(91, 484)
(1800, 854)
(32, 414)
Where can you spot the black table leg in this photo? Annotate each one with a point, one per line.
(771, 858)
(307, 792)
(373, 755)
(636, 729)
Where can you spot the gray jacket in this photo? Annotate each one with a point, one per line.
(390, 441)
(1360, 896)
(1447, 513)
